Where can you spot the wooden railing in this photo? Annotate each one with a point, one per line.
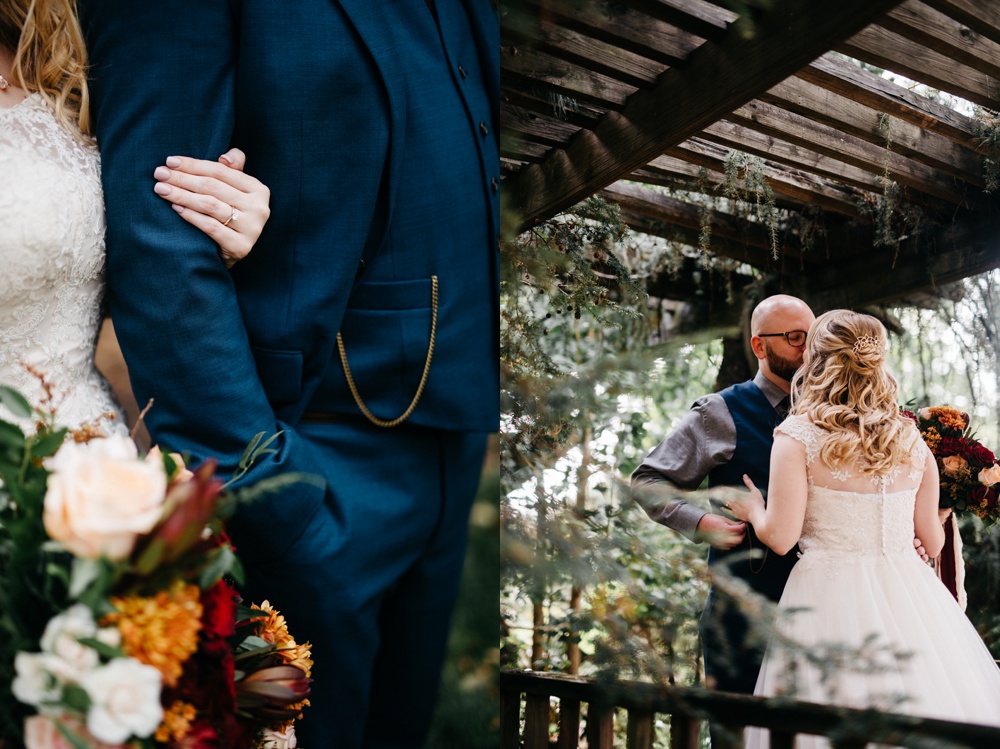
(687, 708)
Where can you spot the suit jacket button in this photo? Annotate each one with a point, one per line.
(483, 129)
(361, 268)
(495, 184)
(461, 72)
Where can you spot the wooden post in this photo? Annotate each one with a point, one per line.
(641, 730)
(782, 740)
(510, 719)
(536, 722)
(569, 724)
(600, 726)
(685, 732)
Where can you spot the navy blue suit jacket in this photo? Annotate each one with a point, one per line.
(310, 90)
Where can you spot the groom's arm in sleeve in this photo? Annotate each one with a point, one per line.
(705, 438)
(163, 84)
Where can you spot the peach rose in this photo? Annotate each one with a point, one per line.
(101, 497)
(40, 732)
(990, 476)
(953, 464)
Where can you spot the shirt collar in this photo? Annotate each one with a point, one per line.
(772, 392)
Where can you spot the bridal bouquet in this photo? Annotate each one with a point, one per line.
(970, 475)
(118, 624)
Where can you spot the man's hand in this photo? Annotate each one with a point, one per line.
(720, 532)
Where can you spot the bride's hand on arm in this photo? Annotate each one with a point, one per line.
(217, 197)
(779, 523)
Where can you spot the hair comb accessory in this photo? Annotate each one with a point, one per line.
(867, 342)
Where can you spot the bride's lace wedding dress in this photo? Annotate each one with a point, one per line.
(51, 264)
(860, 595)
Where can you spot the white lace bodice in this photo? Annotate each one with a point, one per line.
(51, 261)
(849, 513)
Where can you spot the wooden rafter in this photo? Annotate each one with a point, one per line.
(861, 121)
(790, 36)
(886, 49)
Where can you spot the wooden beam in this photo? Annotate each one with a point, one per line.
(843, 113)
(966, 248)
(798, 185)
(829, 141)
(794, 33)
(881, 47)
(542, 129)
(705, 22)
(617, 25)
(938, 32)
(690, 237)
(539, 32)
(549, 104)
(857, 84)
(981, 18)
(752, 237)
(532, 68)
(750, 140)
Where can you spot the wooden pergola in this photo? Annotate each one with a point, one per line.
(643, 101)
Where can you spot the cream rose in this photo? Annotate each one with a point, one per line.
(990, 476)
(62, 638)
(124, 700)
(953, 464)
(101, 497)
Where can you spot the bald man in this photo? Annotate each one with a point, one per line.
(723, 436)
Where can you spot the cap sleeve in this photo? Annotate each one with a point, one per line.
(805, 432)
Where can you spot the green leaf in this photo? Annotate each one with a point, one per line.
(150, 558)
(262, 448)
(11, 436)
(108, 651)
(16, 403)
(245, 458)
(78, 742)
(236, 571)
(45, 443)
(169, 464)
(219, 564)
(275, 484)
(76, 698)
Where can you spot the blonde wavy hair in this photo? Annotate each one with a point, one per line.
(49, 56)
(844, 387)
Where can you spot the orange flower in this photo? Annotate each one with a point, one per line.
(176, 722)
(161, 631)
(273, 629)
(932, 438)
(950, 418)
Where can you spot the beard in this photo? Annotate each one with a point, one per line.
(782, 367)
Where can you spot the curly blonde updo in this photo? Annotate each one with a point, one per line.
(49, 56)
(844, 387)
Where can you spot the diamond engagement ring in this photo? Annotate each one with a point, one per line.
(233, 217)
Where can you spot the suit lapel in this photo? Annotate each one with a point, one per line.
(486, 28)
(371, 27)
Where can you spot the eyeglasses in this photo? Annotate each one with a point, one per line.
(794, 337)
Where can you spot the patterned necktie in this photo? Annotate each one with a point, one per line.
(782, 408)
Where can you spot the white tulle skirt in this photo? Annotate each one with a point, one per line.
(892, 637)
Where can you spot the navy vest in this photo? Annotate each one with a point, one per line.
(755, 420)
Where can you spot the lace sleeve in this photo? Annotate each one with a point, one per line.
(805, 432)
(918, 456)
